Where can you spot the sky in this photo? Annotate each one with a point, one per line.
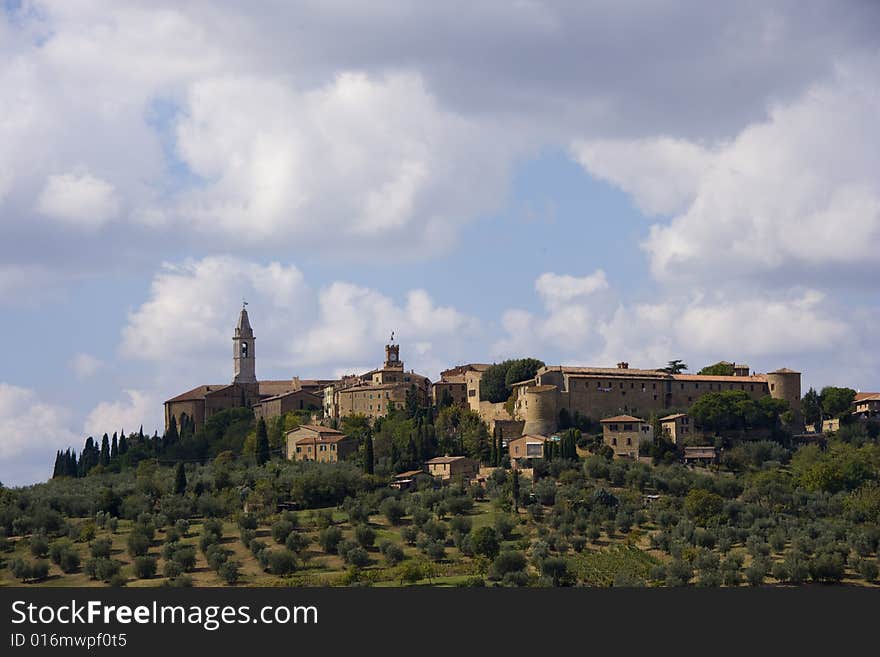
(582, 182)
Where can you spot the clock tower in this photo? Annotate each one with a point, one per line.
(243, 350)
(392, 356)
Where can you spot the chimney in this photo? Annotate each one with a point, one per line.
(623, 366)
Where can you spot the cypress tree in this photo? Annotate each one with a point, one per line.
(262, 451)
(515, 490)
(114, 448)
(123, 445)
(105, 450)
(395, 457)
(180, 480)
(171, 436)
(57, 468)
(368, 454)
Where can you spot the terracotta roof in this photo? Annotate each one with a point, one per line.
(541, 388)
(699, 451)
(197, 393)
(604, 371)
(674, 416)
(409, 474)
(318, 428)
(445, 459)
(784, 370)
(522, 383)
(861, 396)
(362, 387)
(529, 437)
(623, 418)
(291, 392)
(752, 378)
(322, 438)
(451, 378)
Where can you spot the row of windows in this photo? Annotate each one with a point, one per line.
(321, 448)
(628, 427)
(632, 385)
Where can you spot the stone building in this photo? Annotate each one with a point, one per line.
(267, 398)
(598, 392)
(679, 427)
(624, 433)
(866, 405)
(524, 449)
(451, 467)
(372, 393)
(316, 443)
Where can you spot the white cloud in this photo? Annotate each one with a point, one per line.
(661, 173)
(185, 327)
(558, 290)
(567, 322)
(79, 199)
(359, 158)
(762, 325)
(797, 192)
(31, 430)
(768, 328)
(354, 321)
(138, 408)
(85, 365)
(193, 307)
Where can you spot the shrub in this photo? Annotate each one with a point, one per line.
(144, 567)
(393, 554)
(229, 572)
(281, 530)
(247, 521)
(102, 568)
(410, 534)
(329, 539)
(504, 525)
(867, 569)
(216, 556)
(172, 569)
(484, 540)
(357, 556)
(678, 573)
(393, 510)
(297, 542)
(506, 562)
(555, 569)
(365, 536)
(281, 562)
(137, 543)
(435, 550)
(186, 557)
(756, 573)
(39, 545)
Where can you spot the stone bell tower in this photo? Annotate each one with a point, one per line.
(243, 350)
(392, 355)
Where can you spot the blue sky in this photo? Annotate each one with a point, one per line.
(582, 183)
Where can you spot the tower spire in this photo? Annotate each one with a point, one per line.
(244, 369)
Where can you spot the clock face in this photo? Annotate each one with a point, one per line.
(393, 357)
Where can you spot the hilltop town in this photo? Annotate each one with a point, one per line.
(504, 474)
(622, 403)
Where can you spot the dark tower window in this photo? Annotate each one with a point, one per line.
(244, 349)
